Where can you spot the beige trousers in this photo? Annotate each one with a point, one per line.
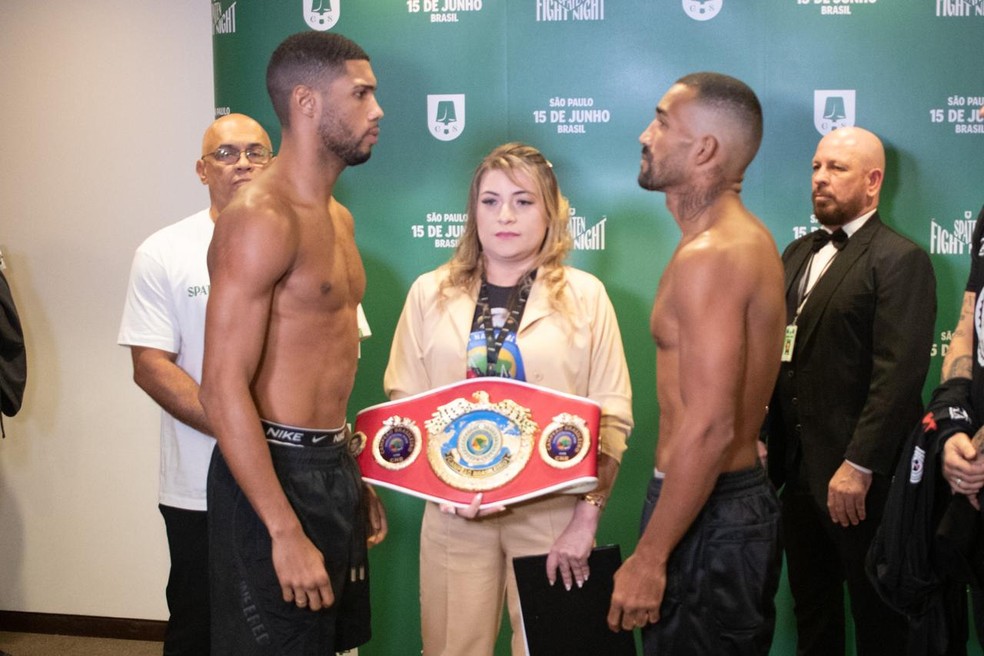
(466, 570)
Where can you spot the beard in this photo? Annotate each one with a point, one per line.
(833, 213)
(658, 178)
(340, 141)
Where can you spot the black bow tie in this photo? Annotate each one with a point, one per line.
(821, 237)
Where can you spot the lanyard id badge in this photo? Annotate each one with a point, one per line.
(788, 342)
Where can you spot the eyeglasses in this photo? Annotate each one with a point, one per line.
(231, 155)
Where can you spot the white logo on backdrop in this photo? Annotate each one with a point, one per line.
(223, 22)
(943, 241)
(565, 10)
(702, 10)
(446, 115)
(321, 15)
(587, 238)
(833, 109)
(960, 8)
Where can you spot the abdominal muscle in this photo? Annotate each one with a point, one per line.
(742, 453)
(308, 368)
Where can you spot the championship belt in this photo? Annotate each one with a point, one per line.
(508, 439)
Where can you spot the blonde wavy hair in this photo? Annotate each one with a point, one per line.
(467, 266)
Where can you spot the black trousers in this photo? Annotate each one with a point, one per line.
(722, 577)
(249, 615)
(821, 557)
(187, 584)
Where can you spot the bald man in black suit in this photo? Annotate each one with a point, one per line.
(861, 310)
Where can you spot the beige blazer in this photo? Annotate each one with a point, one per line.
(580, 354)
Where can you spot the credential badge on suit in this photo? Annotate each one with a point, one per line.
(788, 342)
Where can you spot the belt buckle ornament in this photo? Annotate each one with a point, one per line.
(479, 445)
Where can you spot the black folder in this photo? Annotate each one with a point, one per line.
(559, 622)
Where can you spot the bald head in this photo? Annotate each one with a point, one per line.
(233, 133)
(233, 126)
(848, 171)
(859, 143)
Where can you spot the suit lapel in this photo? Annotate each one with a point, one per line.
(795, 262)
(828, 284)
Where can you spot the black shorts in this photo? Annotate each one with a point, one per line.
(249, 615)
(722, 577)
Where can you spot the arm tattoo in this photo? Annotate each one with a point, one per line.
(961, 367)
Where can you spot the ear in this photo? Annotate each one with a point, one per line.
(305, 101)
(200, 170)
(875, 178)
(707, 149)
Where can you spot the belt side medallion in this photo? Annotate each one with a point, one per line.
(397, 444)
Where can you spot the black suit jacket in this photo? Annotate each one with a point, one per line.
(13, 357)
(853, 388)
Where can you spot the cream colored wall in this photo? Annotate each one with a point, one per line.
(102, 107)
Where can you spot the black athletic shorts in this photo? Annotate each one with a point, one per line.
(249, 615)
(722, 577)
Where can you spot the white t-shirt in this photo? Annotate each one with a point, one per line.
(165, 309)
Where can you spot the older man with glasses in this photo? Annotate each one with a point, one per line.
(164, 325)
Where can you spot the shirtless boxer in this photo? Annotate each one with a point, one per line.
(718, 326)
(287, 508)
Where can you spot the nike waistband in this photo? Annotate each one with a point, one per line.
(293, 436)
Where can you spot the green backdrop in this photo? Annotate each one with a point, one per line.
(580, 79)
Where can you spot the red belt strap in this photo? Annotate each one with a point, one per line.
(508, 439)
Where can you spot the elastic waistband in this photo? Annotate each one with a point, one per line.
(727, 482)
(284, 435)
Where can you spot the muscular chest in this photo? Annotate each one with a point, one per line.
(328, 272)
(662, 321)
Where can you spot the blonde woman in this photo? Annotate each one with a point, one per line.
(506, 305)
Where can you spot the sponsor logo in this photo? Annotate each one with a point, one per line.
(321, 15)
(251, 613)
(959, 8)
(952, 242)
(918, 462)
(833, 109)
(702, 10)
(587, 238)
(446, 116)
(198, 290)
(570, 10)
(223, 22)
(284, 435)
(959, 414)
